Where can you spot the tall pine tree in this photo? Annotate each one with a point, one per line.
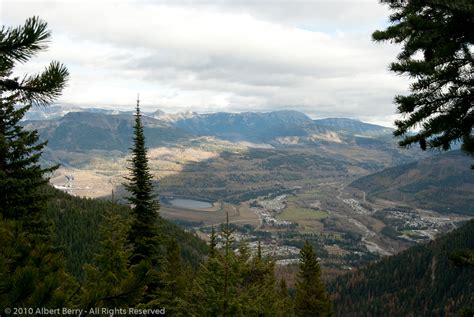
(31, 272)
(21, 176)
(311, 298)
(143, 234)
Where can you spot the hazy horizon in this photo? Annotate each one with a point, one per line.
(151, 109)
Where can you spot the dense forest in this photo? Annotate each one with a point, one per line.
(76, 224)
(425, 280)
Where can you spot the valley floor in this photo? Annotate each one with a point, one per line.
(347, 229)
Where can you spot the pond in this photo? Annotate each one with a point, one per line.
(190, 203)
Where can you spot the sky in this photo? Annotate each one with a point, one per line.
(313, 56)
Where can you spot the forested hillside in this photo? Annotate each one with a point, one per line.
(441, 182)
(76, 223)
(421, 281)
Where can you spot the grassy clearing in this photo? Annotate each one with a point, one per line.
(308, 219)
(294, 213)
(314, 194)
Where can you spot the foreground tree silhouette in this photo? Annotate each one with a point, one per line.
(143, 234)
(31, 272)
(441, 102)
(21, 176)
(311, 298)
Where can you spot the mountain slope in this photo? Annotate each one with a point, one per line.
(283, 128)
(353, 125)
(420, 281)
(88, 131)
(77, 137)
(249, 126)
(75, 128)
(425, 183)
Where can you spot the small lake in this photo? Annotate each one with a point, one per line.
(190, 203)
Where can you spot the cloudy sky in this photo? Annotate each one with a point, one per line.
(314, 56)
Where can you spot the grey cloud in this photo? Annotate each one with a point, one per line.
(315, 56)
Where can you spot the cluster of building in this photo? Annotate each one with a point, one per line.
(412, 220)
(417, 227)
(268, 220)
(275, 251)
(356, 206)
(282, 254)
(268, 209)
(276, 204)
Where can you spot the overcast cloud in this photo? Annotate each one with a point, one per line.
(206, 56)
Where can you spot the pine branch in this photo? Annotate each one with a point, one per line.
(44, 88)
(22, 42)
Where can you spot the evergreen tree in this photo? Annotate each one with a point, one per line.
(311, 298)
(31, 271)
(173, 279)
(212, 244)
(285, 301)
(214, 290)
(111, 281)
(259, 293)
(229, 268)
(21, 176)
(143, 234)
(205, 296)
(441, 100)
(231, 284)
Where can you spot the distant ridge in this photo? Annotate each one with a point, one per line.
(109, 130)
(259, 127)
(88, 131)
(353, 125)
(250, 126)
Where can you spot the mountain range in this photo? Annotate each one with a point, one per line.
(79, 128)
(98, 130)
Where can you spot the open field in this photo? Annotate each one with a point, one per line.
(211, 217)
(293, 212)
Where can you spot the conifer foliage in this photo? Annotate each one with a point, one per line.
(111, 282)
(311, 298)
(21, 176)
(25, 238)
(239, 283)
(441, 99)
(143, 234)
